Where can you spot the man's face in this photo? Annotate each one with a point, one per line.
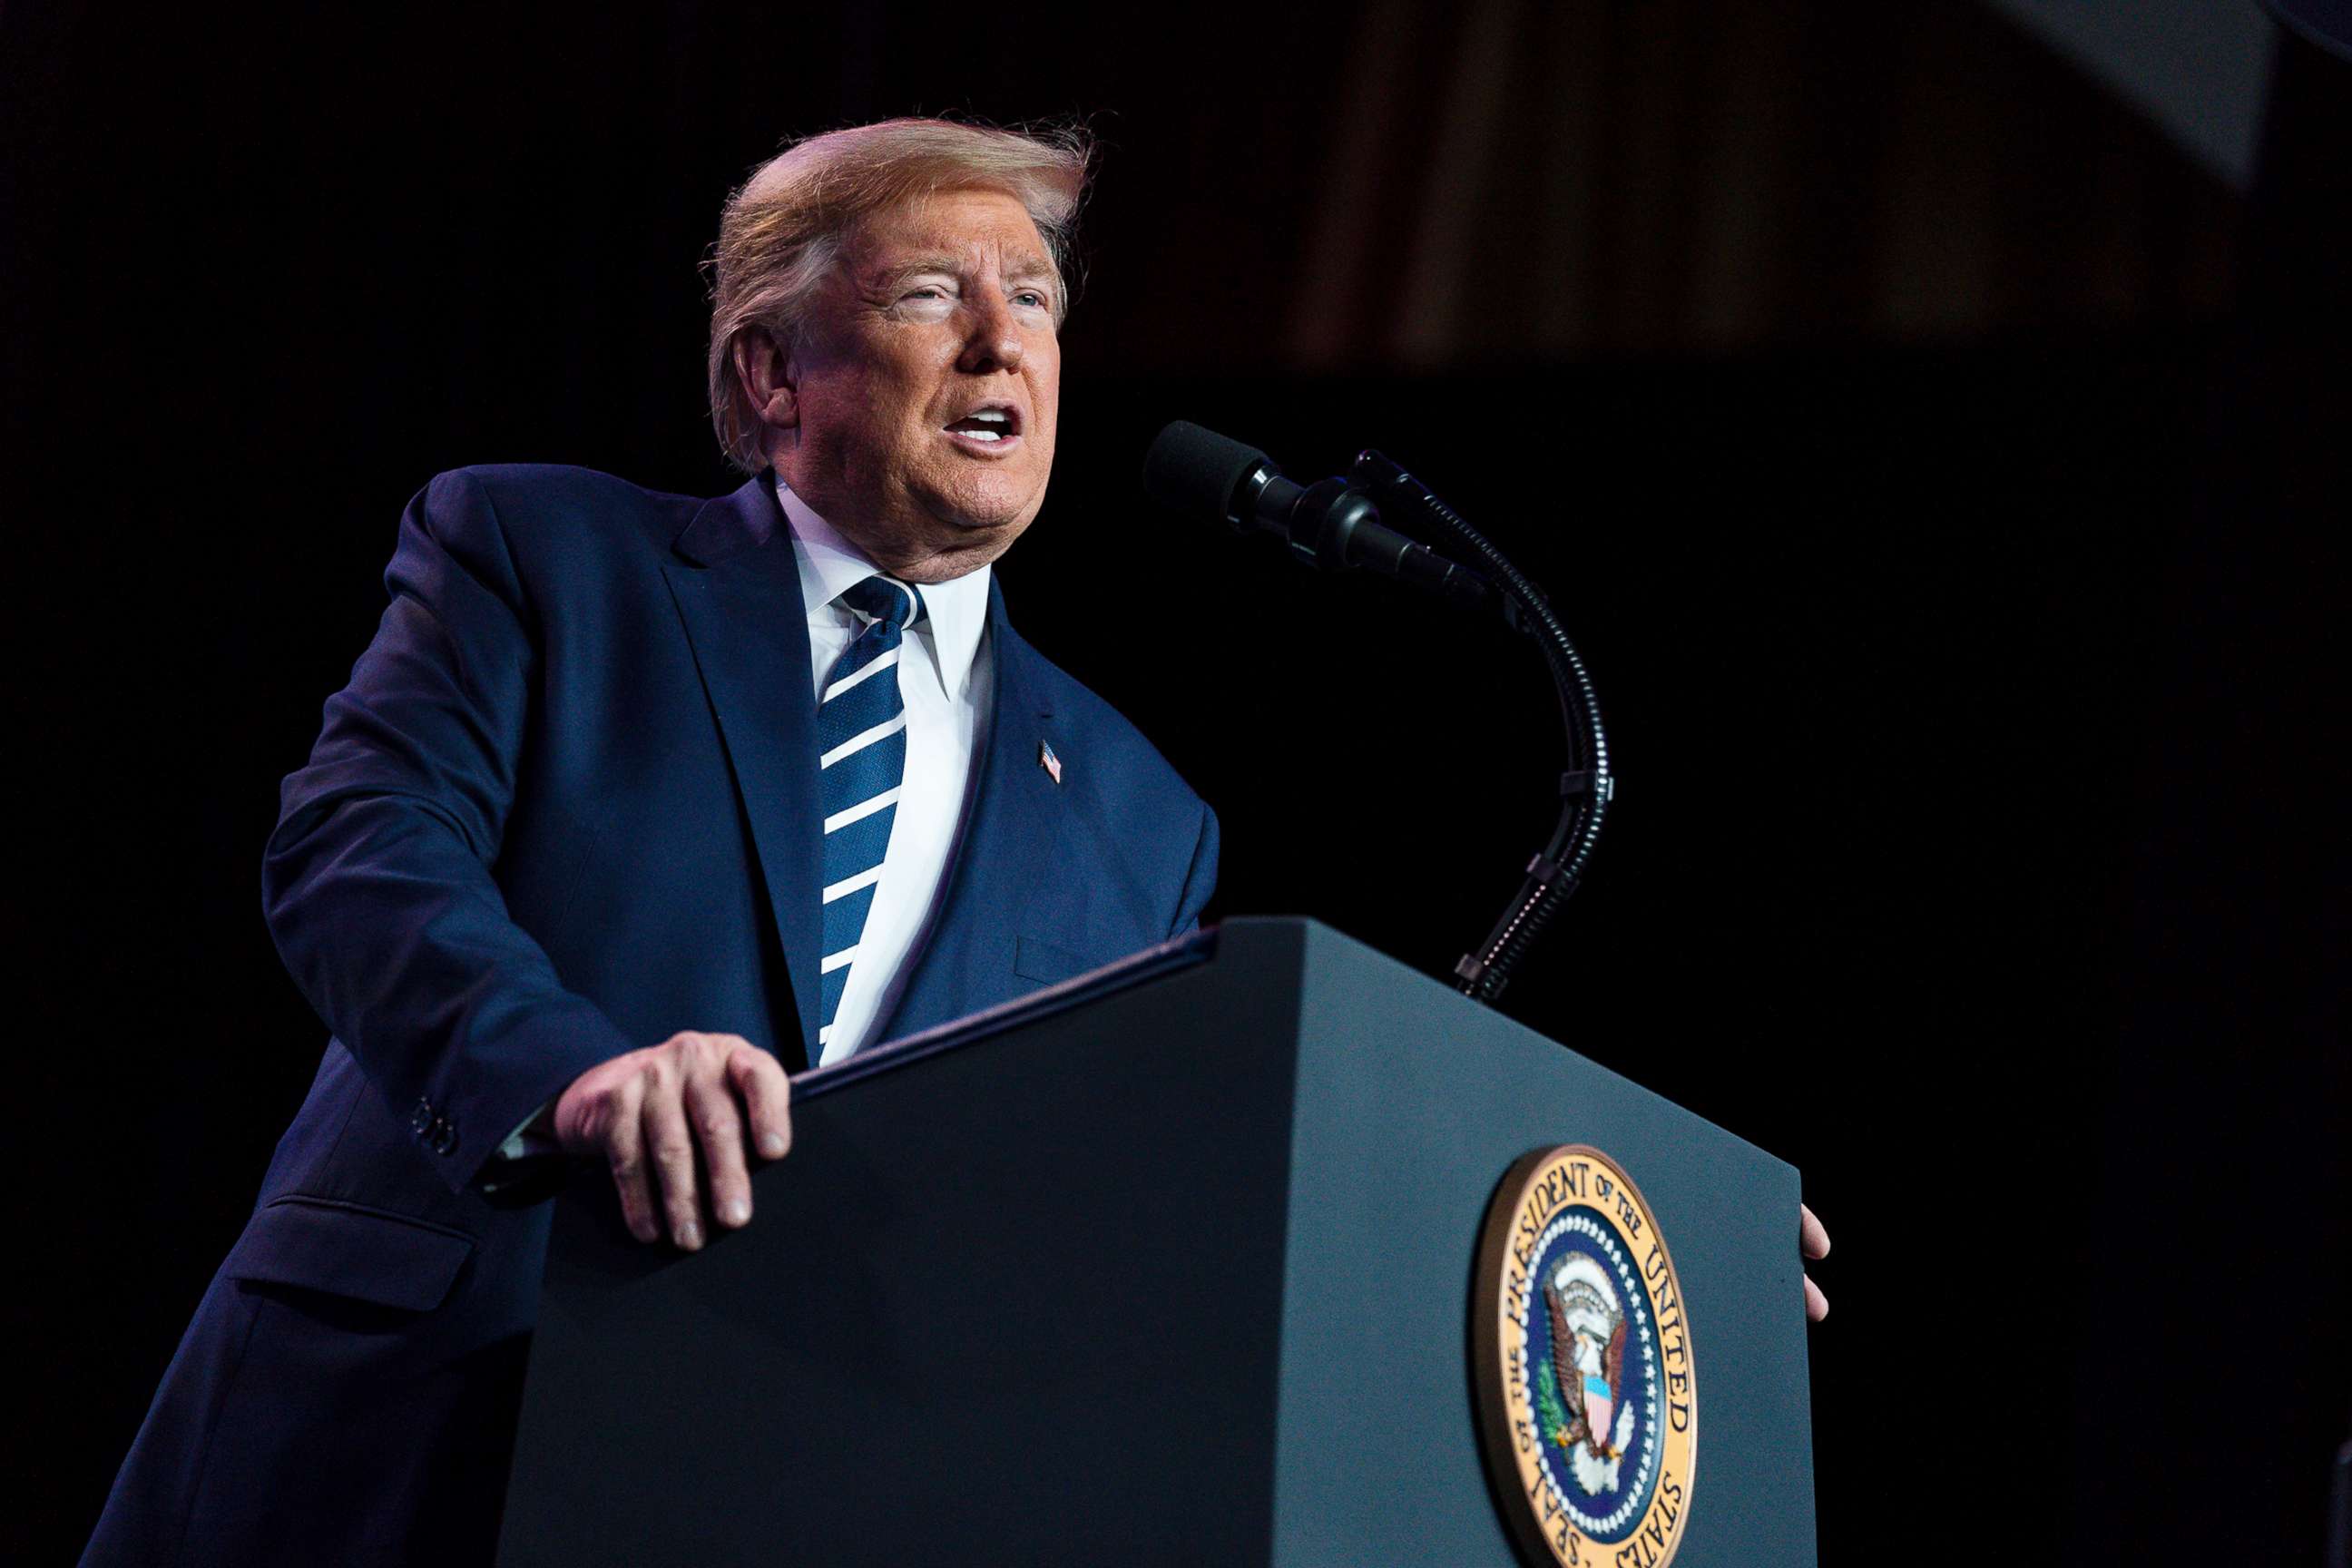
(924, 391)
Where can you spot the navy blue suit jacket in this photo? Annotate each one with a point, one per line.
(567, 806)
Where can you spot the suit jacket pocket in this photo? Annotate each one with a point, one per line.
(368, 1255)
(1035, 960)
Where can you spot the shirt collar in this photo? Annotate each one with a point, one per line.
(955, 611)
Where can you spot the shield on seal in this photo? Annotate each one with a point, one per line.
(1598, 1406)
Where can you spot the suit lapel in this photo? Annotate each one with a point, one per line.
(1009, 849)
(740, 601)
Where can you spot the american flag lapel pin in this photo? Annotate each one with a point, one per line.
(1049, 761)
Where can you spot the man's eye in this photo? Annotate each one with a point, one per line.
(927, 291)
(1031, 297)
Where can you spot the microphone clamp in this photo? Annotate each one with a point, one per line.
(1335, 524)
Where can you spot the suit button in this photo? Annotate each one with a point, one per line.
(445, 1135)
(420, 1120)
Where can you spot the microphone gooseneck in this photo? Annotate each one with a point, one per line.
(1336, 525)
(1586, 787)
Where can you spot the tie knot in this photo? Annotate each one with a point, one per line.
(884, 599)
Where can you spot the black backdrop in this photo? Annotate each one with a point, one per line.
(1979, 841)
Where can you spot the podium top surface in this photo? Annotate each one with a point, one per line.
(1136, 969)
(1173, 957)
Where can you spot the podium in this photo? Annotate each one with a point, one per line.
(1171, 1263)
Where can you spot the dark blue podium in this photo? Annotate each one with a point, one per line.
(1171, 1263)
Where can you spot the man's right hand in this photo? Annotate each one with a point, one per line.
(644, 1114)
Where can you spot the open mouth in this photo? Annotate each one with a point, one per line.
(996, 425)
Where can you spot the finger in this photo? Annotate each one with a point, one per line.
(1817, 1305)
(671, 1150)
(767, 1092)
(717, 1123)
(1813, 1240)
(625, 1151)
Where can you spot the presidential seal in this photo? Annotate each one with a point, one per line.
(1588, 1406)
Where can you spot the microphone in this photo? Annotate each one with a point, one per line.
(1332, 524)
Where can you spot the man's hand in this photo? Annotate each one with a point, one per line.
(1813, 1241)
(644, 1114)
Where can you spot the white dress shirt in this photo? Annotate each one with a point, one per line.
(947, 678)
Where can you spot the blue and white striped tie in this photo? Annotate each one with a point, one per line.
(861, 729)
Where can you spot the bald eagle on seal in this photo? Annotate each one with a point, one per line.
(1591, 1377)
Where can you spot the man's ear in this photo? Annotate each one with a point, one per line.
(769, 376)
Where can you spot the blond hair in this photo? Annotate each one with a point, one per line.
(781, 232)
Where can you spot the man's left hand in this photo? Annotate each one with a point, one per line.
(1812, 1242)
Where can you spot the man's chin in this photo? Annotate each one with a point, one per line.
(981, 496)
(975, 518)
(956, 542)
(1006, 523)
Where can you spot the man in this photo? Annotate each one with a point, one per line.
(633, 804)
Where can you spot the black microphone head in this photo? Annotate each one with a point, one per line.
(1199, 472)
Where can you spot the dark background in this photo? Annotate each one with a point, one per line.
(1941, 473)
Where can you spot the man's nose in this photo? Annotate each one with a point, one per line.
(994, 339)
